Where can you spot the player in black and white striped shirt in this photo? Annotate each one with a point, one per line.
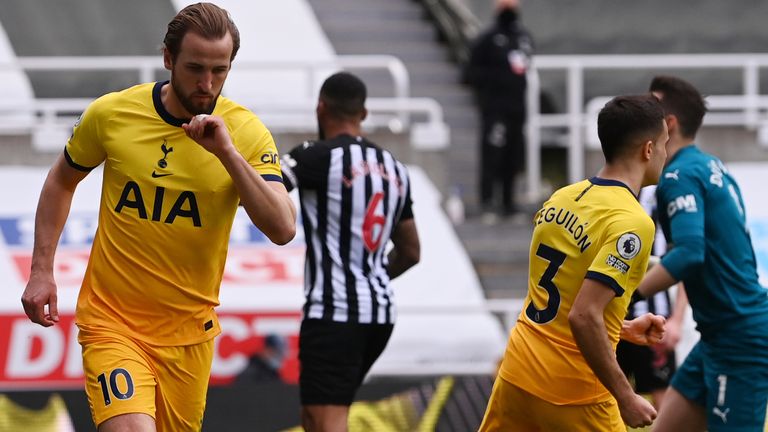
(355, 197)
(652, 367)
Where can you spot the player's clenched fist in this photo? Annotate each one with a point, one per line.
(637, 412)
(39, 293)
(210, 132)
(647, 329)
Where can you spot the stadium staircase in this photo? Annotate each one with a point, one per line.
(401, 28)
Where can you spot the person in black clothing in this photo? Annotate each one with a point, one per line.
(355, 197)
(264, 366)
(496, 70)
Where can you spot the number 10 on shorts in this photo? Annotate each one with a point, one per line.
(113, 388)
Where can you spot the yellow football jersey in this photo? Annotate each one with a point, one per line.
(167, 206)
(592, 229)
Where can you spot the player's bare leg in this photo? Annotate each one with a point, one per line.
(134, 422)
(678, 413)
(324, 418)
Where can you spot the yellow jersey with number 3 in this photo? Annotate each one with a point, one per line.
(593, 229)
(167, 207)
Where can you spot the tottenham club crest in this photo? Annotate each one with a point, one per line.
(162, 163)
(628, 245)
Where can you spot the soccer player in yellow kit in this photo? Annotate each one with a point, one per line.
(178, 158)
(589, 251)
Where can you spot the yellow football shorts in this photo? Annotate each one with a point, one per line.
(124, 375)
(511, 409)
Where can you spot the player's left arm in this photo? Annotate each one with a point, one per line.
(267, 202)
(406, 252)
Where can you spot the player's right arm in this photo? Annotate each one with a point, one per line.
(305, 166)
(52, 211)
(589, 331)
(682, 199)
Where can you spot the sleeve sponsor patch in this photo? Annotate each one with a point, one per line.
(270, 158)
(617, 263)
(628, 245)
(686, 203)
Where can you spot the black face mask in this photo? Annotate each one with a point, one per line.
(507, 18)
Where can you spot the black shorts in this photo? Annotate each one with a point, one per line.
(652, 369)
(335, 357)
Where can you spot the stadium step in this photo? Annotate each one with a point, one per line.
(399, 28)
(499, 253)
(407, 52)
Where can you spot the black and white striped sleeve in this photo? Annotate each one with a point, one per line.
(304, 166)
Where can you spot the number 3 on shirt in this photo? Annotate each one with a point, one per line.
(556, 259)
(373, 224)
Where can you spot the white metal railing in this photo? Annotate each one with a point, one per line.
(393, 113)
(723, 110)
(53, 117)
(507, 310)
(746, 108)
(146, 66)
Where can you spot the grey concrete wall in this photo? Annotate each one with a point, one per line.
(84, 27)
